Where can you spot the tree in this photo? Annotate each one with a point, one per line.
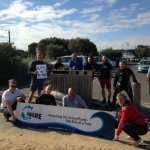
(32, 48)
(53, 51)
(110, 53)
(82, 46)
(58, 42)
(142, 51)
(11, 66)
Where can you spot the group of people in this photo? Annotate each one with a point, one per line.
(129, 119)
(104, 70)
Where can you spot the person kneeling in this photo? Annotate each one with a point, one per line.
(46, 98)
(10, 98)
(73, 100)
(131, 121)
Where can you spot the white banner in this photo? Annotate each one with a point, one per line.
(83, 121)
(42, 71)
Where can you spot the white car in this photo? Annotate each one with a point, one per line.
(143, 66)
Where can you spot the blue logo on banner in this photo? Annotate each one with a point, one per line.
(28, 114)
(23, 115)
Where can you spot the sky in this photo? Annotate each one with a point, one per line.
(107, 23)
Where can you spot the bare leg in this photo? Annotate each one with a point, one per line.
(30, 96)
(103, 94)
(109, 94)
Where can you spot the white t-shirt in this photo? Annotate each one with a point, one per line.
(7, 95)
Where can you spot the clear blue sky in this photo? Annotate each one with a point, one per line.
(107, 23)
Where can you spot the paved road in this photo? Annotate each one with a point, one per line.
(141, 77)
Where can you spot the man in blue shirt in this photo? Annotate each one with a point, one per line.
(75, 63)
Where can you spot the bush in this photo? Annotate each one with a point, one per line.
(12, 68)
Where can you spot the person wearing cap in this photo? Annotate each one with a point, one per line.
(122, 81)
(10, 98)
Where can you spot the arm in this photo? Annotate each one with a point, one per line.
(124, 119)
(111, 74)
(115, 80)
(82, 102)
(85, 106)
(111, 71)
(32, 69)
(23, 96)
(70, 65)
(53, 101)
(64, 101)
(20, 94)
(133, 76)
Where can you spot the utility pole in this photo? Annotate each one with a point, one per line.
(9, 36)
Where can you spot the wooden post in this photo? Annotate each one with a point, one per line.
(81, 81)
(137, 94)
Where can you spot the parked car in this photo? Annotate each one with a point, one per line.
(112, 61)
(143, 66)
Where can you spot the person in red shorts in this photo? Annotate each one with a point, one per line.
(105, 73)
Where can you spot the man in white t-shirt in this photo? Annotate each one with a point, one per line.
(10, 98)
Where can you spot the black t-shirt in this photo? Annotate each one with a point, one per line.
(105, 69)
(90, 66)
(46, 99)
(32, 68)
(58, 66)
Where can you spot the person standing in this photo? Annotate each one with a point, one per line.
(122, 81)
(90, 65)
(75, 63)
(130, 120)
(36, 84)
(104, 77)
(10, 98)
(58, 65)
(73, 100)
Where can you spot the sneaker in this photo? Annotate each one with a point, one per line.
(138, 143)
